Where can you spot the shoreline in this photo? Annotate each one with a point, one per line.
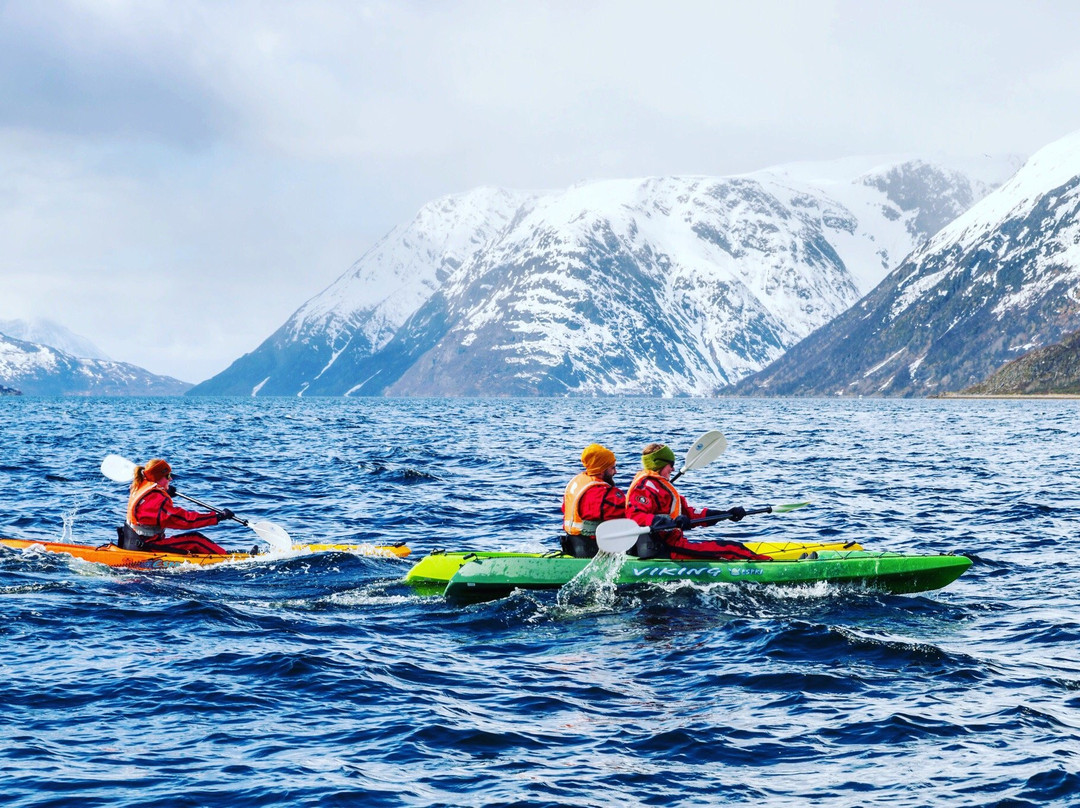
(1007, 395)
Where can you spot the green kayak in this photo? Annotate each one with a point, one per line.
(494, 575)
(433, 572)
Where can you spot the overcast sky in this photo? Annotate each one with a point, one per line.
(176, 178)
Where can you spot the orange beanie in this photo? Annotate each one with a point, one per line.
(596, 458)
(157, 470)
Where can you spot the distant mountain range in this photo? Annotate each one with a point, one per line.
(1000, 280)
(663, 286)
(1053, 369)
(35, 369)
(900, 277)
(47, 332)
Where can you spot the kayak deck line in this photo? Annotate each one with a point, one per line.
(494, 576)
(399, 550)
(114, 556)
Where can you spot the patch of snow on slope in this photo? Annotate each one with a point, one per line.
(913, 291)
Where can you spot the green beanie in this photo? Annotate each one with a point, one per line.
(658, 459)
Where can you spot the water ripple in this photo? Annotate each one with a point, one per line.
(323, 680)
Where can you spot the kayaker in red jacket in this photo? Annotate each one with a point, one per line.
(151, 510)
(654, 502)
(590, 498)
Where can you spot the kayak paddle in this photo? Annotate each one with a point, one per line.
(619, 535)
(120, 469)
(704, 451)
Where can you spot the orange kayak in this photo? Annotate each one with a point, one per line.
(113, 556)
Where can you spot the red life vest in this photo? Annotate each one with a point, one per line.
(573, 523)
(642, 477)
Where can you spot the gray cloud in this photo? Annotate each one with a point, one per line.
(64, 69)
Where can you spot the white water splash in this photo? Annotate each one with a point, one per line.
(594, 586)
(66, 532)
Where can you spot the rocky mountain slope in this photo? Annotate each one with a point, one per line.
(40, 370)
(1049, 370)
(662, 286)
(1000, 280)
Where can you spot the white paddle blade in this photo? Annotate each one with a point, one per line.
(705, 450)
(272, 534)
(118, 469)
(618, 535)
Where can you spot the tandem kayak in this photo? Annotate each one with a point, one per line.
(433, 572)
(114, 556)
(487, 578)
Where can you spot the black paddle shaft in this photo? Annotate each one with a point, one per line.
(710, 519)
(211, 507)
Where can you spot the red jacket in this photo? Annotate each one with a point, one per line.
(599, 504)
(652, 495)
(156, 510)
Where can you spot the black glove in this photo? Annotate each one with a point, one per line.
(715, 517)
(736, 513)
(662, 523)
(225, 514)
(172, 490)
(682, 521)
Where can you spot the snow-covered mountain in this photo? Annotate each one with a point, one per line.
(1000, 280)
(45, 371)
(46, 332)
(362, 310)
(660, 286)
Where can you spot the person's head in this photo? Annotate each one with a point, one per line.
(658, 458)
(598, 461)
(156, 471)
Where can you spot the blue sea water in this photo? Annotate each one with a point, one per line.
(322, 680)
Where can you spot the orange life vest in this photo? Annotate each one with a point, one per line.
(133, 502)
(646, 474)
(572, 521)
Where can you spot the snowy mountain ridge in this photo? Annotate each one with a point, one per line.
(36, 369)
(1055, 166)
(659, 286)
(999, 280)
(393, 279)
